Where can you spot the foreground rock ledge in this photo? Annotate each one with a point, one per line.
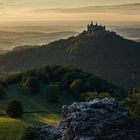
(104, 119)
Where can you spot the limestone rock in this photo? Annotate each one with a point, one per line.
(104, 119)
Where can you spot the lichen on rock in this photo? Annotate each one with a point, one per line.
(105, 119)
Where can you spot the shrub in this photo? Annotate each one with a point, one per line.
(133, 104)
(2, 92)
(30, 85)
(69, 78)
(87, 96)
(59, 72)
(77, 87)
(14, 109)
(30, 134)
(46, 74)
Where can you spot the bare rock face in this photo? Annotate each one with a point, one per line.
(104, 119)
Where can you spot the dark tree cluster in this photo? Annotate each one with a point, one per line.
(70, 79)
(14, 109)
(30, 85)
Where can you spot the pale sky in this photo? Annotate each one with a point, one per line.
(22, 10)
(61, 3)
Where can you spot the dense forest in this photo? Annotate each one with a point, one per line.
(61, 80)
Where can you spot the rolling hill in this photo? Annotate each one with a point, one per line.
(104, 53)
(38, 109)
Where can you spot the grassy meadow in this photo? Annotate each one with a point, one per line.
(38, 112)
(42, 93)
(33, 103)
(11, 129)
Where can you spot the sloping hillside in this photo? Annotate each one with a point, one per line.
(104, 54)
(43, 91)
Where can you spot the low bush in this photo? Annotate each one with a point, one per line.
(133, 104)
(30, 85)
(87, 96)
(14, 109)
(30, 134)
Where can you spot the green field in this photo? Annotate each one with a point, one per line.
(37, 89)
(11, 129)
(43, 111)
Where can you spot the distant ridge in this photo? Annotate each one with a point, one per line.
(96, 50)
(11, 39)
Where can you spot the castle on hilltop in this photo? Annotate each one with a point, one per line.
(91, 28)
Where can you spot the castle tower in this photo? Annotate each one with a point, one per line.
(88, 27)
(93, 28)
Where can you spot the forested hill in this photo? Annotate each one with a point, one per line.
(67, 80)
(102, 53)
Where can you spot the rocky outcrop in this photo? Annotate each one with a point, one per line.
(104, 119)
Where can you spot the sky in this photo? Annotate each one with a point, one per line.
(61, 3)
(38, 10)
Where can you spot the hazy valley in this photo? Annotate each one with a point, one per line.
(10, 40)
(106, 55)
(66, 77)
(11, 37)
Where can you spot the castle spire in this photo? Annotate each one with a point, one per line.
(88, 26)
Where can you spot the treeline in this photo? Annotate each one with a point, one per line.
(61, 78)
